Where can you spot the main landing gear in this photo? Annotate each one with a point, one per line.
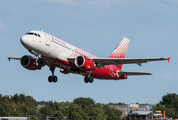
(88, 79)
(52, 78)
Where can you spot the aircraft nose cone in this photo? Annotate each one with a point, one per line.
(24, 40)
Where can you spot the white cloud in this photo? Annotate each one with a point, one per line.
(109, 3)
(2, 25)
(64, 2)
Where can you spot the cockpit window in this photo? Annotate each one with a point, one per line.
(31, 33)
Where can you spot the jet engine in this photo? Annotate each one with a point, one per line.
(27, 62)
(84, 63)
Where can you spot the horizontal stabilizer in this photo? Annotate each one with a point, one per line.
(133, 73)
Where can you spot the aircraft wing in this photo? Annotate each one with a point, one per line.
(13, 58)
(101, 62)
(117, 61)
(42, 60)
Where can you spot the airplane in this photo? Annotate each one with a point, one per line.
(54, 52)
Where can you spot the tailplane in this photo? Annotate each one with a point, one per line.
(121, 49)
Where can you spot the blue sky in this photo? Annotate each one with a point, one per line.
(97, 26)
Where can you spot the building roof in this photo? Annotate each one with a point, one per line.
(140, 112)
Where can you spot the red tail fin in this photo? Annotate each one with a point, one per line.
(121, 49)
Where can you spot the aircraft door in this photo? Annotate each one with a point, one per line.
(47, 39)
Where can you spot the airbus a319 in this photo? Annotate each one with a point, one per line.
(53, 52)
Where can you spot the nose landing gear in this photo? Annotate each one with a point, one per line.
(36, 63)
(52, 78)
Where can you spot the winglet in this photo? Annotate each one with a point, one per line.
(9, 58)
(168, 59)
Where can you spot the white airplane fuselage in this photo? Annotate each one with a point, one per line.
(56, 52)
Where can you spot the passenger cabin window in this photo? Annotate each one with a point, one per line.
(31, 33)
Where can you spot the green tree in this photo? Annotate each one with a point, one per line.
(21, 98)
(24, 109)
(170, 100)
(95, 112)
(76, 112)
(171, 112)
(112, 114)
(46, 110)
(83, 101)
(169, 104)
(2, 111)
(60, 112)
(15, 98)
(32, 118)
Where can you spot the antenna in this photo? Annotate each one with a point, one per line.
(42, 30)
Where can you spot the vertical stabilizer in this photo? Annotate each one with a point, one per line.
(121, 49)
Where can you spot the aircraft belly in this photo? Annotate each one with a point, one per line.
(60, 63)
(103, 73)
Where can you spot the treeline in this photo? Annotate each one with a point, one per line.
(17, 105)
(169, 104)
(80, 108)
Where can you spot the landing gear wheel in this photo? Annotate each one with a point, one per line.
(54, 79)
(90, 79)
(50, 79)
(86, 79)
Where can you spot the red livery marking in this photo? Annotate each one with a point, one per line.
(63, 43)
(168, 59)
(10, 58)
(57, 40)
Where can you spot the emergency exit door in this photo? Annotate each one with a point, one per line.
(47, 39)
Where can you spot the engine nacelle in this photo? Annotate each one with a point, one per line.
(27, 62)
(84, 63)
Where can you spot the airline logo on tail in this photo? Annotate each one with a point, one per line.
(121, 49)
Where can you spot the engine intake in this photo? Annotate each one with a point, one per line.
(84, 63)
(27, 62)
